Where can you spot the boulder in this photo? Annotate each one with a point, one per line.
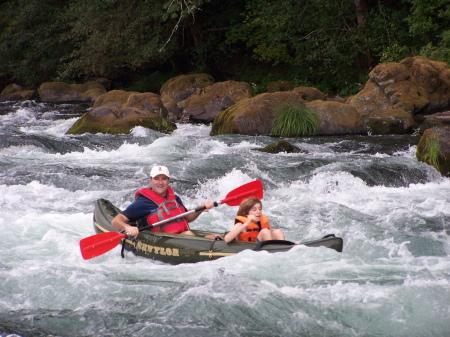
(434, 78)
(337, 118)
(281, 146)
(178, 89)
(252, 116)
(370, 98)
(114, 98)
(390, 121)
(434, 149)
(112, 120)
(120, 111)
(280, 86)
(11, 89)
(309, 94)
(206, 104)
(438, 119)
(183, 86)
(389, 73)
(147, 101)
(64, 92)
(175, 113)
(23, 95)
(91, 95)
(416, 85)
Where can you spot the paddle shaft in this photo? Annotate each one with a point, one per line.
(176, 217)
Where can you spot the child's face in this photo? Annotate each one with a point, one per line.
(256, 210)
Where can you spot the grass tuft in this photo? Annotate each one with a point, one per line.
(432, 150)
(294, 120)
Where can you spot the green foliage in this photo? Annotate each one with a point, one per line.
(386, 33)
(149, 82)
(29, 49)
(432, 151)
(316, 37)
(440, 52)
(429, 22)
(315, 42)
(294, 120)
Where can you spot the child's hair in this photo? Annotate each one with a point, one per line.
(246, 205)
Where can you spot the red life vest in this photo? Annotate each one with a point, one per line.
(253, 229)
(167, 208)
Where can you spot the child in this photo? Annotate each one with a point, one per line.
(251, 225)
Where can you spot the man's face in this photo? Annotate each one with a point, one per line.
(159, 184)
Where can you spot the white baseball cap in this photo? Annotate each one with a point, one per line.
(157, 170)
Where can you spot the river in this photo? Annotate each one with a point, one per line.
(393, 212)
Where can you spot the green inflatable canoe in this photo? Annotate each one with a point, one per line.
(176, 248)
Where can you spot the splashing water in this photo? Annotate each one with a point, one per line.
(392, 279)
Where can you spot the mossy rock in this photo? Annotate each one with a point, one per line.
(390, 121)
(183, 86)
(65, 92)
(11, 89)
(252, 116)
(281, 146)
(434, 149)
(117, 121)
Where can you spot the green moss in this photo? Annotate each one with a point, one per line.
(431, 152)
(294, 120)
(223, 123)
(84, 125)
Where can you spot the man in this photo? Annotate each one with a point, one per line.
(157, 203)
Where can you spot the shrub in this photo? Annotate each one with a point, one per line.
(294, 120)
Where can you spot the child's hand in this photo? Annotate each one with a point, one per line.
(252, 218)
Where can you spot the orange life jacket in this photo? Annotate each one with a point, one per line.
(167, 208)
(253, 229)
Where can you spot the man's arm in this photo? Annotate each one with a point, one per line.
(191, 217)
(139, 209)
(120, 222)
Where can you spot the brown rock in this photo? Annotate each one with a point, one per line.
(120, 111)
(309, 94)
(438, 119)
(114, 98)
(18, 96)
(183, 86)
(434, 149)
(427, 74)
(416, 85)
(389, 73)
(281, 146)
(280, 86)
(371, 98)
(147, 101)
(64, 92)
(112, 120)
(337, 118)
(390, 121)
(407, 95)
(91, 95)
(206, 104)
(175, 113)
(11, 89)
(252, 116)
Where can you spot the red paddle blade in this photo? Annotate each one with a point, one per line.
(99, 244)
(252, 189)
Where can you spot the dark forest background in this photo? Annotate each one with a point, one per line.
(139, 44)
